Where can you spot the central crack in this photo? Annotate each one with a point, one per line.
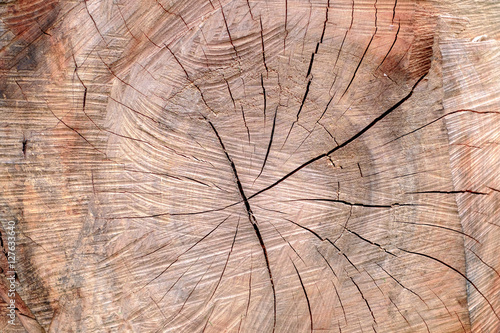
(251, 218)
(342, 145)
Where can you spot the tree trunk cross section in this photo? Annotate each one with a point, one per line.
(249, 166)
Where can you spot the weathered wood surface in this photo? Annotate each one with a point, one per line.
(250, 166)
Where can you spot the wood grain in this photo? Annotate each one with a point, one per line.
(250, 166)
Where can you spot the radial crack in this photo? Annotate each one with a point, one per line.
(270, 143)
(448, 192)
(345, 34)
(439, 118)
(324, 25)
(394, 10)
(330, 266)
(264, 94)
(262, 42)
(311, 62)
(401, 285)
(94, 22)
(369, 241)
(286, 24)
(355, 204)
(441, 227)
(345, 143)
(230, 93)
(245, 122)
(340, 302)
(251, 217)
(305, 294)
(227, 260)
(456, 271)
(359, 64)
(190, 248)
(364, 299)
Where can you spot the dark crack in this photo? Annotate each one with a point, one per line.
(392, 45)
(180, 255)
(364, 299)
(251, 216)
(262, 42)
(458, 272)
(305, 295)
(264, 94)
(345, 143)
(270, 143)
(401, 285)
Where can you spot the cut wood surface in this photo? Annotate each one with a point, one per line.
(250, 166)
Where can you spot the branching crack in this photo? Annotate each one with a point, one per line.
(345, 143)
(119, 78)
(486, 264)
(300, 110)
(228, 32)
(370, 242)
(190, 80)
(343, 254)
(251, 217)
(170, 13)
(324, 239)
(74, 130)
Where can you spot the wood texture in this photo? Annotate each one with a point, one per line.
(251, 166)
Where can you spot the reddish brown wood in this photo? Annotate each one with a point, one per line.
(250, 166)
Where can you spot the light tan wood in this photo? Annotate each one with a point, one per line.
(251, 166)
